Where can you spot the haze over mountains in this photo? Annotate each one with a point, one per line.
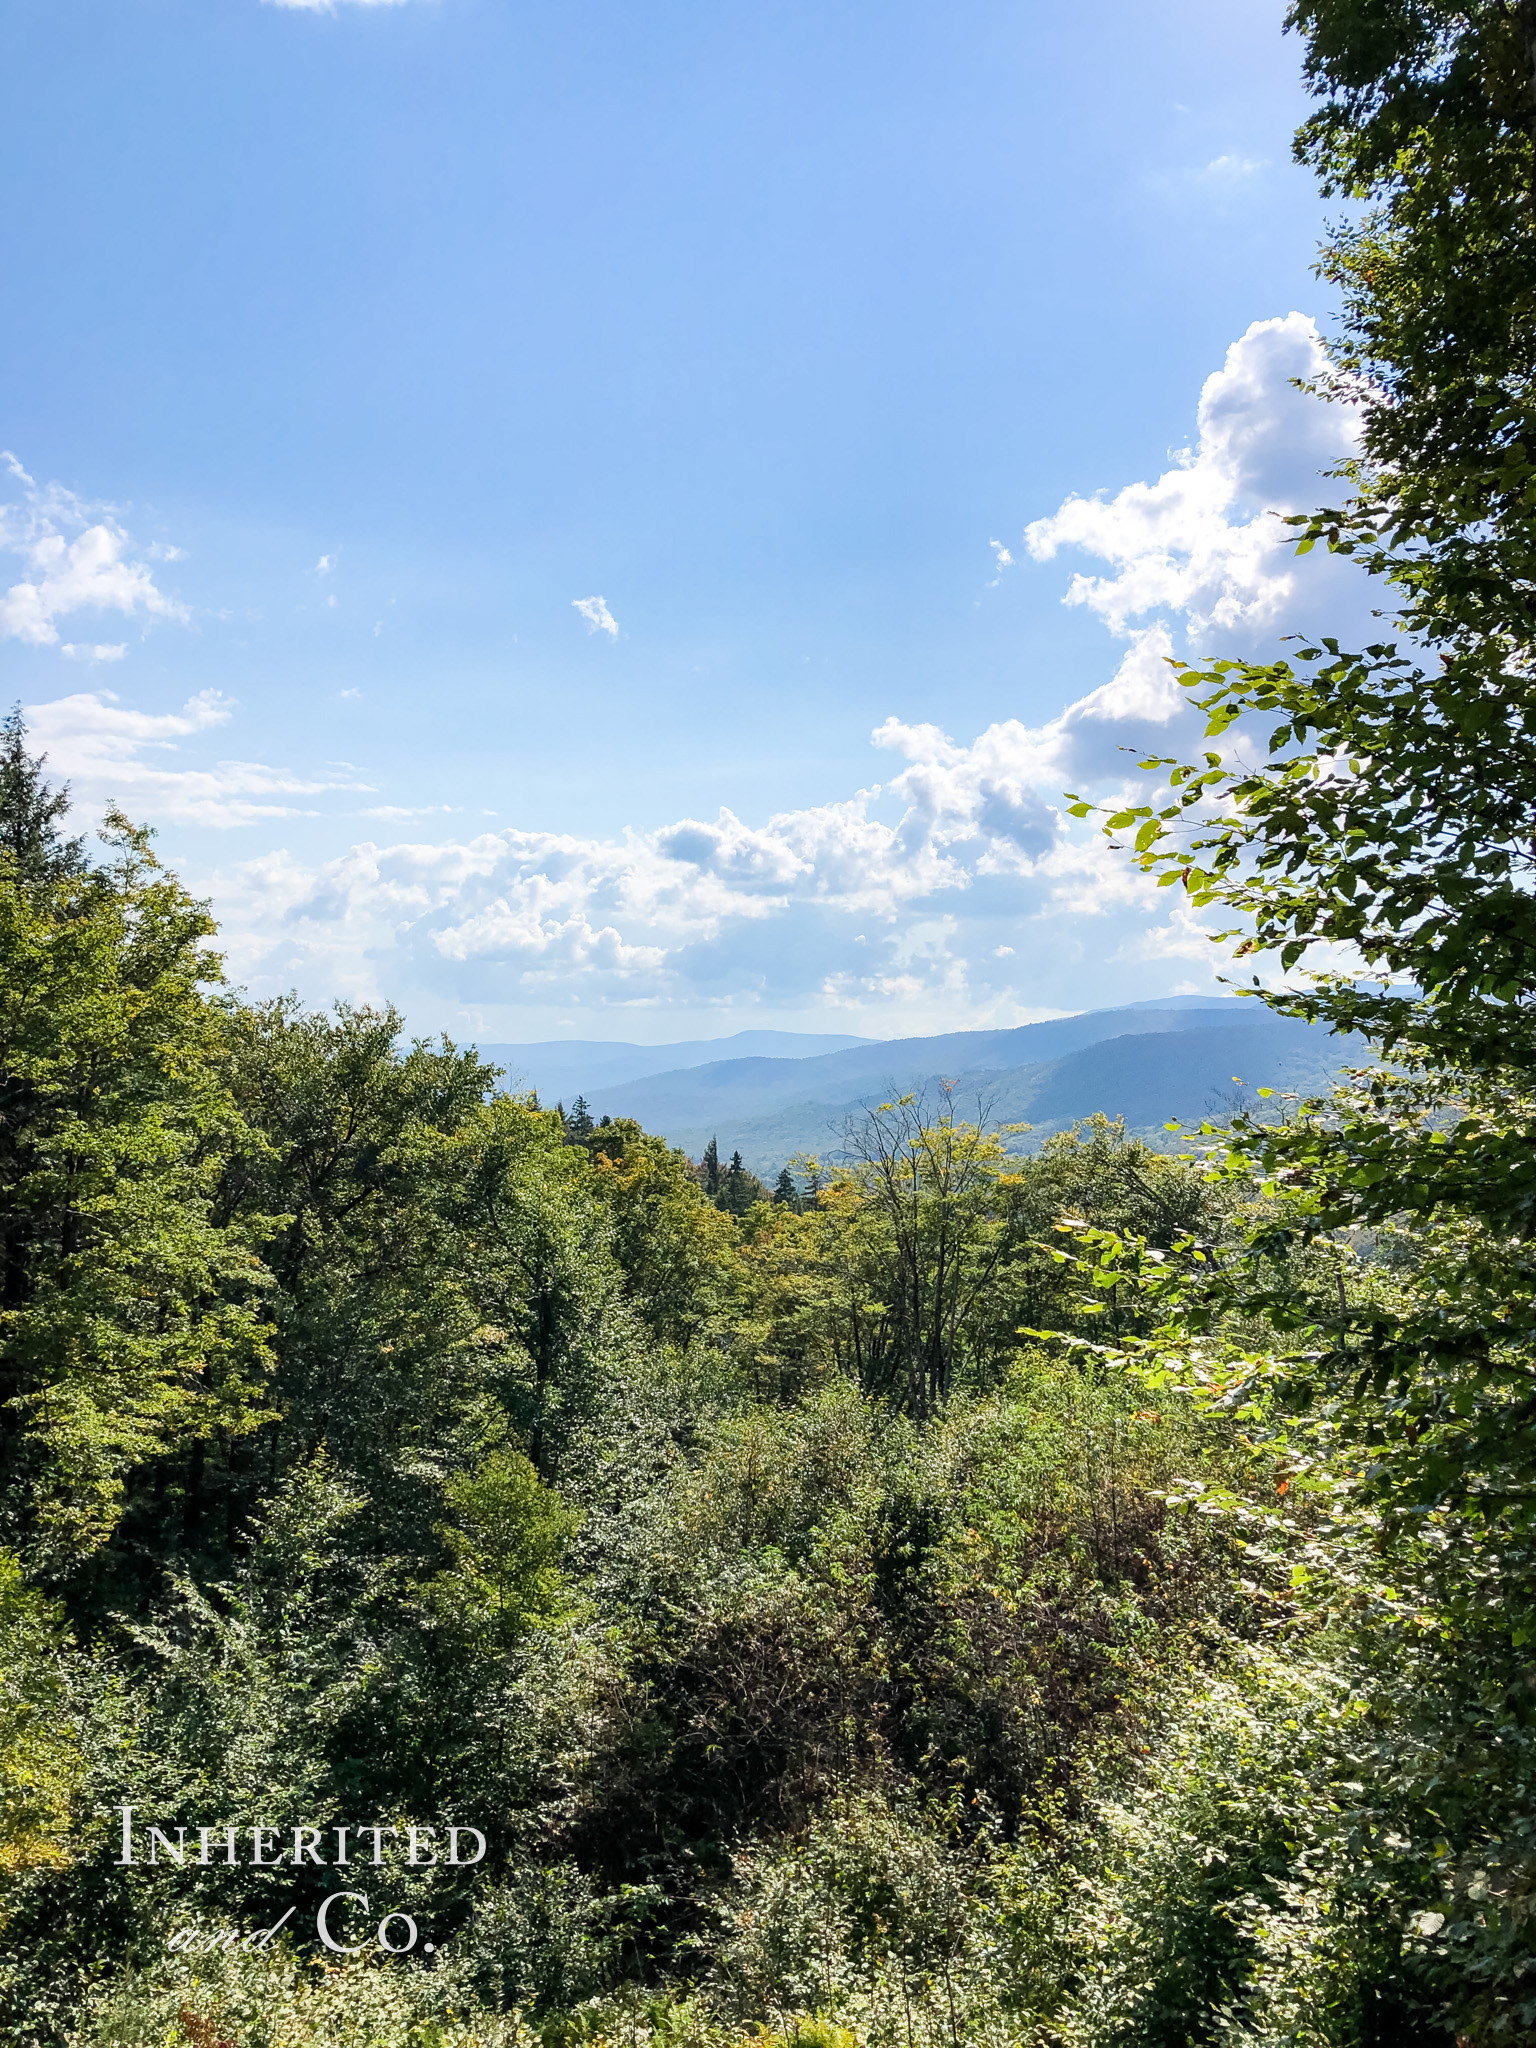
(563, 1068)
(775, 1094)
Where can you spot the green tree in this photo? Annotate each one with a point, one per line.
(1376, 1317)
(132, 1318)
(443, 1265)
(31, 812)
(940, 1244)
(1428, 121)
(41, 1767)
(530, 1245)
(785, 1193)
(372, 1307)
(712, 1169)
(1421, 858)
(578, 1123)
(739, 1189)
(931, 1193)
(675, 1248)
(1391, 816)
(506, 1536)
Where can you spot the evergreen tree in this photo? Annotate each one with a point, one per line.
(30, 812)
(578, 1124)
(712, 1169)
(785, 1193)
(739, 1189)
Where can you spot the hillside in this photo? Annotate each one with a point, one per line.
(740, 1089)
(1147, 1062)
(1148, 1078)
(563, 1068)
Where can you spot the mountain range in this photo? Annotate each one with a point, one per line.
(1181, 1058)
(563, 1068)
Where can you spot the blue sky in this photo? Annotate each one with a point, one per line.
(481, 473)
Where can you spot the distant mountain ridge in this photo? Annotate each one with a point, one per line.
(1180, 1058)
(563, 1068)
(748, 1087)
(1148, 1078)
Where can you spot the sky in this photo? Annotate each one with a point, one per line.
(625, 522)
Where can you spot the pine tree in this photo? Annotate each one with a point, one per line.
(712, 1169)
(30, 811)
(739, 1189)
(785, 1193)
(578, 1124)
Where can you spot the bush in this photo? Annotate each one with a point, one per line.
(276, 2001)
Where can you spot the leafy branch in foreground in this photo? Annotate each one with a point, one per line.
(1384, 840)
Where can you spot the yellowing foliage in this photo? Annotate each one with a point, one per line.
(40, 1764)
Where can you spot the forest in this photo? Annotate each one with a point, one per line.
(471, 1575)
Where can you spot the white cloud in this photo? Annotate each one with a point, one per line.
(101, 651)
(597, 615)
(1230, 170)
(111, 754)
(958, 889)
(409, 811)
(325, 565)
(78, 559)
(1202, 543)
(955, 891)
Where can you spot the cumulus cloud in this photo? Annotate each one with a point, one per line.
(110, 753)
(957, 887)
(78, 559)
(597, 615)
(953, 889)
(1202, 545)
